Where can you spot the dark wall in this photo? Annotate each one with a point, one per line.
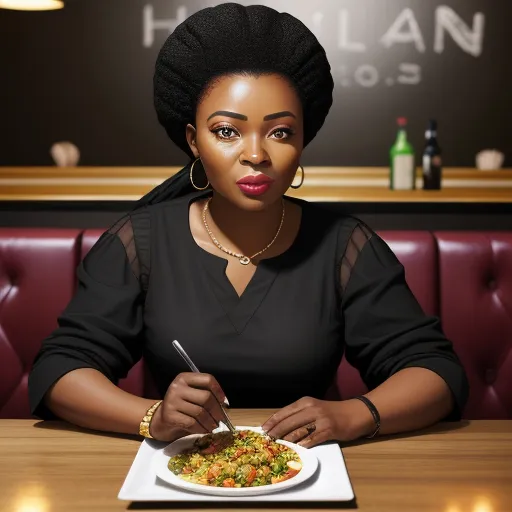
(415, 216)
(84, 74)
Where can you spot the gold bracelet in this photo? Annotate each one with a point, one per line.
(146, 421)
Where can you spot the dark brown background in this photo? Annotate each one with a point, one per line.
(82, 74)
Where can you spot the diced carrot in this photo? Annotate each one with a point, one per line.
(229, 482)
(186, 470)
(214, 471)
(270, 454)
(252, 475)
(239, 453)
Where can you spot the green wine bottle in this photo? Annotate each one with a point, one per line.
(402, 169)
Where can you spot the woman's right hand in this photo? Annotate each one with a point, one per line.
(190, 406)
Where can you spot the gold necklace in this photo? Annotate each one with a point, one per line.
(244, 260)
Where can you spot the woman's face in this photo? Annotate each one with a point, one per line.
(249, 136)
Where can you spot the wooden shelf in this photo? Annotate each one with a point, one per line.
(326, 184)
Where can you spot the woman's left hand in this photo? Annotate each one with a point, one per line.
(310, 421)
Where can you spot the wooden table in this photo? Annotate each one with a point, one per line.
(452, 467)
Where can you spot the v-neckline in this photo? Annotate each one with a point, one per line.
(239, 308)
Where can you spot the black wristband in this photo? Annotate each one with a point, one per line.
(374, 411)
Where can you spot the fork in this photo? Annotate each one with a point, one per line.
(195, 369)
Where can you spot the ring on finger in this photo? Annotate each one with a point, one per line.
(301, 433)
(311, 427)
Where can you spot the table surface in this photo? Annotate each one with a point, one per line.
(451, 467)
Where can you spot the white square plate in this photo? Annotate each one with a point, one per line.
(330, 483)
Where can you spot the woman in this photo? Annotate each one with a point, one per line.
(264, 292)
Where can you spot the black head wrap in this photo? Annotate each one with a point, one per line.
(226, 39)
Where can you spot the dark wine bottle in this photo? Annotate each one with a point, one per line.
(432, 164)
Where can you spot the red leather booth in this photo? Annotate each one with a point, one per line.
(464, 277)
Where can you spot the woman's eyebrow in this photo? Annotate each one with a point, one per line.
(228, 114)
(277, 115)
(269, 117)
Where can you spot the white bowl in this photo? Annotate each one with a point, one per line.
(161, 459)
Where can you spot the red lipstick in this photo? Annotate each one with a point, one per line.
(254, 185)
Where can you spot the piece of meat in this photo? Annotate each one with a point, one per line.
(214, 443)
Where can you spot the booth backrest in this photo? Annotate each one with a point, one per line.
(464, 277)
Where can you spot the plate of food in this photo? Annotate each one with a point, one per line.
(247, 463)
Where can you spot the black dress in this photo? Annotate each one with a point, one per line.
(337, 289)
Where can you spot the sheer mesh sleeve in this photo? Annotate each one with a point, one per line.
(386, 329)
(123, 229)
(358, 238)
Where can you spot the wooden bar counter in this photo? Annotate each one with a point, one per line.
(322, 184)
(452, 467)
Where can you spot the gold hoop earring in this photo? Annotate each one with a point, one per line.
(192, 179)
(301, 179)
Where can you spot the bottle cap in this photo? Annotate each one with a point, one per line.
(402, 121)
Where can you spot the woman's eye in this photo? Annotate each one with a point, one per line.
(281, 133)
(225, 132)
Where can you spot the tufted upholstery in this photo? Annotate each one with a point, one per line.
(36, 282)
(464, 277)
(476, 308)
